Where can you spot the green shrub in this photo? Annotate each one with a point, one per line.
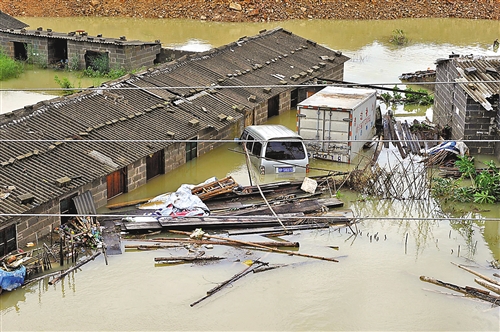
(9, 68)
(65, 84)
(398, 37)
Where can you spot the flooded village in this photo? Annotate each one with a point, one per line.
(109, 141)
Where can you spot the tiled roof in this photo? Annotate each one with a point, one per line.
(90, 134)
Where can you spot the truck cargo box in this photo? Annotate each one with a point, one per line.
(337, 121)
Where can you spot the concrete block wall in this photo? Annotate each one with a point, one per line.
(39, 45)
(143, 56)
(479, 126)
(467, 118)
(99, 190)
(260, 113)
(227, 133)
(31, 228)
(136, 174)
(120, 56)
(175, 156)
(285, 101)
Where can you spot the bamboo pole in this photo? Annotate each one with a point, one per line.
(288, 252)
(188, 258)
(180, 242)
(264, 197)
(478, 293)
(493, 281)
(227, 282)
(56, 279)
(488, 285)
(214, 242)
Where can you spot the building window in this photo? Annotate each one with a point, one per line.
(191, 150)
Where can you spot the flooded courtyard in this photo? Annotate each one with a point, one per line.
(374, 286)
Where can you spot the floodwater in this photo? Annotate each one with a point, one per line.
(374, 286)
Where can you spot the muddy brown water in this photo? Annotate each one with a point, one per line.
(374, 286)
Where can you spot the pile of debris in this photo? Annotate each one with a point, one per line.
(290, 204)
(78, 235)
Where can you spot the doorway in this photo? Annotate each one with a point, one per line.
(273, 106)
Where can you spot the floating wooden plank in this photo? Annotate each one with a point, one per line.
(141, 225)
(274, 229)
(128, 203)
(306, 206)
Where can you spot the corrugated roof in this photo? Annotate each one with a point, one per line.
(479, 77)
(9, 22)
(90, 134)
(79, 36)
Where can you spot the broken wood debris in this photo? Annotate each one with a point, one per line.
(168, 242)
(471, 291)
(82, 262)
(177, 259)
(288, 252)
(485, 295)
(254, 264)
(416, 138)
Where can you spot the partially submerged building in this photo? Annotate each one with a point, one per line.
(76, 48)
(467, 100)
(106, 141)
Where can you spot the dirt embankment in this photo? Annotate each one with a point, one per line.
(256, 10)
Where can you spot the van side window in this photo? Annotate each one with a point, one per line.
(285, 150)
(257, 148)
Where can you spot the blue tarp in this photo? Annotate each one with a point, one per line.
(10, 280)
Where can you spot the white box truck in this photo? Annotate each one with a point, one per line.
(337, 121)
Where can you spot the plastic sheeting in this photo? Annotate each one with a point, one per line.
(451, 146)
(10, 280)
(181, 203)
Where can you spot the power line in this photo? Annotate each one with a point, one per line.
(109, 216)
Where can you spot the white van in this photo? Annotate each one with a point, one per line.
(275, 149)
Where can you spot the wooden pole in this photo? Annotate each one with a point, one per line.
(288, 252)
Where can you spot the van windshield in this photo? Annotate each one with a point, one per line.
(285, 150)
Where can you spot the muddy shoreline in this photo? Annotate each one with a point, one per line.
(257, 10)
